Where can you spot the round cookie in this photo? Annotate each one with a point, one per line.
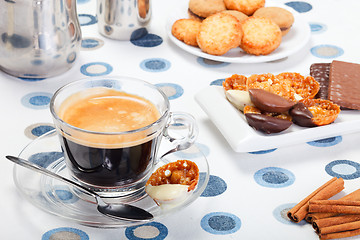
(239, 15)
(261, 36)
(194, 16)
(186, 30)
(280, 16)
(219, 33)
(204, 8)
(247, 7)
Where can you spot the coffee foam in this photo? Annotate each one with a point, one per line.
(107, 111)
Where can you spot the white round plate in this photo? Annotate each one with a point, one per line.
(62, 200)
(294, 41)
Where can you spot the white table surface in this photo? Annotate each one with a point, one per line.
(247, 191)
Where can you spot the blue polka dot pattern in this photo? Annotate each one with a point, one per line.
(217, 82)
(326, 142)
(220, 223)
(155, 65)
(138, 33)
(317, 27)
(91, 43)
(142, 38)
(274, 177)
(345, 169)
(44, 159)
(171, 90)
(215, 187)
(211, 63)
(87, 19)
(40, 130)
(326, 51)
(149, 231)
(62, 194)
(280, 213)
(65, 233)
(96, 69)
(299, 6)
(37, 100)
(36, 130)
(263, 151)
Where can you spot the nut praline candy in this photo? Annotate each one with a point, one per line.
(267, 124)
(238, 98)
(269, 102)
(301, 115)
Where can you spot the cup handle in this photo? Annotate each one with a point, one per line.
(184, 134)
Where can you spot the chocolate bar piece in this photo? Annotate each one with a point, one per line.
(344, 84)
(320, 72)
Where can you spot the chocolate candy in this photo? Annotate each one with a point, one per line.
(267, 124)
(324, 111)
(269, 102)
(238, 98)
(344, 87)
(301, 115)
(320, 72)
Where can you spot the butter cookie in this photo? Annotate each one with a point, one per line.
(246, 6)
(186, 30)
(219, 33)
(280, 16)
(200, 9)
(239, 15)
(261, 36)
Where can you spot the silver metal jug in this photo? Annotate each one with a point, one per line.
(123, 19)
(38, 38)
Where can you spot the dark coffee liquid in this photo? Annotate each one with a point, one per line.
(109, 160)
(109, 167)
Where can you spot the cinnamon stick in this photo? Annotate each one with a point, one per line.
(334, 208)
(345, 234)
(340, 228)
(354, 196)
(331, 221)
(336, 202)
(327, 190)
(311, 217)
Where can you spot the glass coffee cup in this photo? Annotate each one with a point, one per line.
(110, 130)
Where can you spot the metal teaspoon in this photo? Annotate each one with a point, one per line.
(118, 211)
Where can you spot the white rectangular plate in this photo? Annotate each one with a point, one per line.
(243, 138)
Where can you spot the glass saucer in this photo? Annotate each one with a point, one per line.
(62, 200)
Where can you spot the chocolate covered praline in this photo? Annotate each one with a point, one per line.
(269, 102)
(301, 115)
(267, 124)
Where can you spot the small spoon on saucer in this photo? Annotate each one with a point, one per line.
(118, 211)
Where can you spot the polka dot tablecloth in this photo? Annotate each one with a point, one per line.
(248, 194)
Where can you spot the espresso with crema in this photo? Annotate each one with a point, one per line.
(112, 153)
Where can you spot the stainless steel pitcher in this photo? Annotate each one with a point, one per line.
(38, 38)
(123, 19)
